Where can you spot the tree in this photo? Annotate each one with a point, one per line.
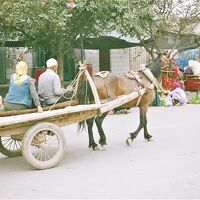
(150, 20)
(52, 24)
(55, 25)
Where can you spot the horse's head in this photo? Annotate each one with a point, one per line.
(169, 67)
(164, 64)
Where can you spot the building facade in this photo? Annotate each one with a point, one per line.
(121, 60)
(114, 60)
(8, 60)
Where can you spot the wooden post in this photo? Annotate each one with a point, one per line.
(93, 87)
(122, 100)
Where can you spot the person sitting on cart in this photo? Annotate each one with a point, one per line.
(22, 92)
(177, 95)
(49, 85)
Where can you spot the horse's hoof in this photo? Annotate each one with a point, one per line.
(129, 141)
(149, 138)
(96, 148)
(102, 147)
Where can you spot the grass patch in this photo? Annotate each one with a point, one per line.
(194, 100)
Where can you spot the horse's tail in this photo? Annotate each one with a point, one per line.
(84, 96)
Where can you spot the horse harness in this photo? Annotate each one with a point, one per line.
(103, 75)
(133, 75)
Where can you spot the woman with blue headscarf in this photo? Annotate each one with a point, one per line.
(22, 90)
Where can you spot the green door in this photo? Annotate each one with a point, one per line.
(69, 68)
(38, 62)
(2, 66)
(39, 58)
(104, 60)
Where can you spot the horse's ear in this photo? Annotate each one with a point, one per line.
(168, 54)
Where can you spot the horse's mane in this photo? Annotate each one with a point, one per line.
(155, 66)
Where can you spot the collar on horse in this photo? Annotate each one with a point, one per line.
(134, 76)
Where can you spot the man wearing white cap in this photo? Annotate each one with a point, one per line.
(49, 86)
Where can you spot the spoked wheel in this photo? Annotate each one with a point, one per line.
(43, 145)
(10, 146)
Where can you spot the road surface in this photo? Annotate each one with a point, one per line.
(166, 167)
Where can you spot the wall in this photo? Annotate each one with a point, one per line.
(28, 58)
(138, 57)
(119, 60)
(122, 60)
(92, 58)
(12, 54)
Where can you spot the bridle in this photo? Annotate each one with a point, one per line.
(169, 67)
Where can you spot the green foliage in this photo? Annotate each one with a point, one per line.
(194, 100)
(151, 19)
(51, 24)
(162, 102)
(54, 26)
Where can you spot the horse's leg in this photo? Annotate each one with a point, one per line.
(92, 143)
(147, 136)
(99, 121)
(143, 124)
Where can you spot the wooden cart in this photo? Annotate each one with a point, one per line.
(38, 136)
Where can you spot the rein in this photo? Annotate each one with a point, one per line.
(73, 84)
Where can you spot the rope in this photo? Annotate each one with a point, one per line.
(86, 90)
(71, 85)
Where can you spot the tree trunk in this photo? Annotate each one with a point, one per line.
(60, 59)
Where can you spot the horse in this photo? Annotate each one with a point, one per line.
(113, 85)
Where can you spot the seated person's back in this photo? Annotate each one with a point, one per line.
(49, 86)
(21, 90)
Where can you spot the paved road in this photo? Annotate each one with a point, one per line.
(167, 167)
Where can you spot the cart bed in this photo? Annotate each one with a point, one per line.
(14, 125)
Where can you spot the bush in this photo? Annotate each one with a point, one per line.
(162, 102)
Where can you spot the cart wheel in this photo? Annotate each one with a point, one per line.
(43, 145)
(10, 147)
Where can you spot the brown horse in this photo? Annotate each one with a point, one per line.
(112, 86)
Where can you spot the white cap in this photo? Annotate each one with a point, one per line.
(51, 62)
